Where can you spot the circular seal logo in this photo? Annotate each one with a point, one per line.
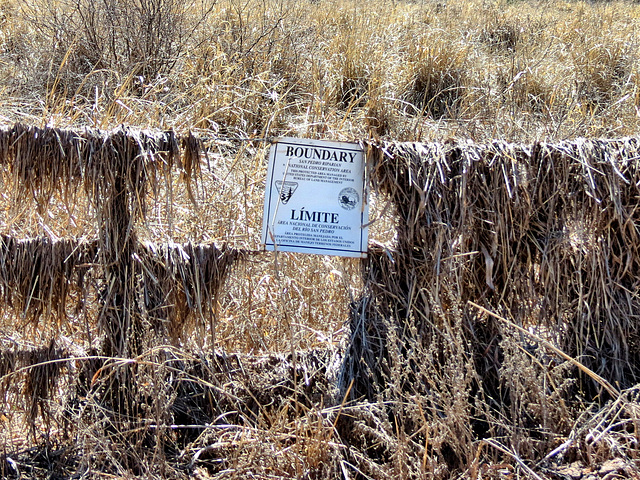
(348, 198)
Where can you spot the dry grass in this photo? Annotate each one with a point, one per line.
(143, 335)
(512, 70)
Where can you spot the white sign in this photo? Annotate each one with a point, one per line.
(315, 198)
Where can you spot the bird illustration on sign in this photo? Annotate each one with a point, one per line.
(348, 198)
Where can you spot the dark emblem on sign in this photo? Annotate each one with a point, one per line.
(348, 198)
(286, 190)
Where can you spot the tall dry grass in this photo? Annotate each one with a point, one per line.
(403, 70)
(231, 70)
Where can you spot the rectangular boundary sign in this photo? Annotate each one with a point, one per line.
(316, 198)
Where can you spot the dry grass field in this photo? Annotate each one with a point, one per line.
(408, 71)
(302, 366)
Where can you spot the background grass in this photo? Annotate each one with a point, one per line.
(516, 70)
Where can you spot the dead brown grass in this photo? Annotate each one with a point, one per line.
(144, 336)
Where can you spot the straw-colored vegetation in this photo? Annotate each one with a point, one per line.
(492, 333)
(406, 70)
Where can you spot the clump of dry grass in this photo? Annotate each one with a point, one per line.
(436, 86)
(38, 275)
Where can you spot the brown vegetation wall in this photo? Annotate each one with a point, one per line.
(545, 235)
(150, 283)
(506, 259)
